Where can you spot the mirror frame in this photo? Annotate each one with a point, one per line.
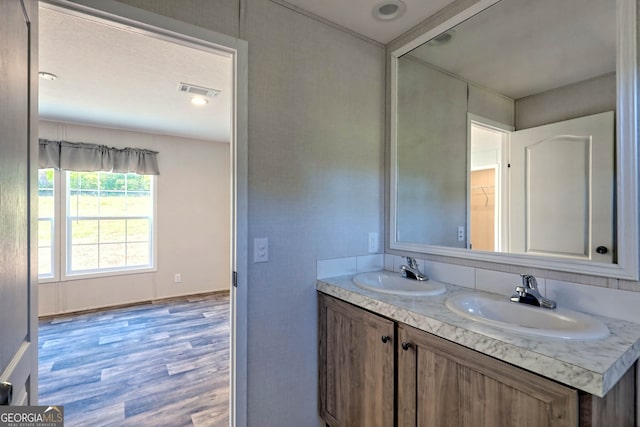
(627, 266)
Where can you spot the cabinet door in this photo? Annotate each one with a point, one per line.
(442, 384)
(356, 366)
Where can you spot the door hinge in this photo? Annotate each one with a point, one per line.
(6, 392)
(234, 279)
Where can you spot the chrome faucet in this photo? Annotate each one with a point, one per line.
(411, 271)
(528, 293)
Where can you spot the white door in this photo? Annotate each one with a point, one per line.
(18, 151)
(561, 189)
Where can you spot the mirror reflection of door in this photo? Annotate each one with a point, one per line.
(561, 181)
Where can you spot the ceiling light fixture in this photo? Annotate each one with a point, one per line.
(388, 10)
(47, 76)
(199, 101)
(443, 38)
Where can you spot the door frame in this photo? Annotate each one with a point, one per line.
(502, 177)
(159, 26)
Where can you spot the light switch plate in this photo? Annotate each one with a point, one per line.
(261, 249)
(373, 243)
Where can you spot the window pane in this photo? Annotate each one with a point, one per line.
(46, 217)
(113, 182)
(138, 230)
(83, 180)
(46, 206)
(109, 217)
(84, 257)
(138, 254)
(113, 203)
(113, 255)
(140, 203)
(44, 262)
(83, 203)
(45, 232)
(138, 182)
(84, 231)
(113, 231)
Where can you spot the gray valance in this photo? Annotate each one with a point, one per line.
(84, 157)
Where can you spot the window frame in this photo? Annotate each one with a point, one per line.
(55, 235)
(62, 239)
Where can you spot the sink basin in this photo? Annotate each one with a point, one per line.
(390, 283)
(526, 319)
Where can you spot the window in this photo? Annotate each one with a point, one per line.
(46, 216)
(107, 223)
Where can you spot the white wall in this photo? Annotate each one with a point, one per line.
(193, 223)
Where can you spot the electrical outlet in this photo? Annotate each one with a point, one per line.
(178, 278)
(460, 233)
(373, 243)
(261, 249)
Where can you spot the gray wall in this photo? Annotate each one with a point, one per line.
(432, 150)
(316, 108)
(316, 117)
(584, 98)
(431, 155)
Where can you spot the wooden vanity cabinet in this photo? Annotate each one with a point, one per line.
(443, 384)
(356, 364)
(437, 383)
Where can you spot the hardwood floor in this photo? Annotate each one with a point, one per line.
(158, 364)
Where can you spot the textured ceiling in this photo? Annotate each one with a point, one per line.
(523, 47)
(111, 77)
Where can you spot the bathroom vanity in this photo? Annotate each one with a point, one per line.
(385, 358)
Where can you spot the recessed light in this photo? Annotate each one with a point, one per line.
(199, 101)
(47, 76)
(388, 10)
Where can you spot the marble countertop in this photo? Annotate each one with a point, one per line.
(591, 366)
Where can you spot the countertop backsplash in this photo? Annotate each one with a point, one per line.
(613, 303)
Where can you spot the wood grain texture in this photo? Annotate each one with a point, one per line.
(18, 193)
(617, 408)
(357, 377)
(456, 386)
(160, 364)
(14, 143)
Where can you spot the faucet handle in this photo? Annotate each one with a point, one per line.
(412, 262)
(529, 281)
(521, 291)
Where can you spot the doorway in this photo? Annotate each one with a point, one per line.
(488, 180)
(155, 27)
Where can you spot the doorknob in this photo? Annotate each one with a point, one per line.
(6, 393)
(602, 250)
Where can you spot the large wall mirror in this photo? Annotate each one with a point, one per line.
(513, 136)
